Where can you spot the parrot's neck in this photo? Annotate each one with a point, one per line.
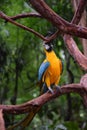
(50, 55)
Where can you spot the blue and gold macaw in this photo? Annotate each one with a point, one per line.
(50, 70)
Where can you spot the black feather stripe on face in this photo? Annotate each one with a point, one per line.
(48, 46)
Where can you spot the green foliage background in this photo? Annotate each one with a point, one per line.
(21, 54)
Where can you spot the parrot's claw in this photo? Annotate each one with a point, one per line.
(50, 89)
(58, 88)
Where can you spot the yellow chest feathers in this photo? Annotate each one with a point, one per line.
(54, 69)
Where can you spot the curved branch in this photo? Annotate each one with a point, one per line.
(41, 100)
(75, 52)
(3, 16)
(70, 43)
(25, 15)
(10, 19)
(59, 22)
(19, 16)
(33, 106)
(79, 12)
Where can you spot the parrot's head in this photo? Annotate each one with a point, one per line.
(48, 46)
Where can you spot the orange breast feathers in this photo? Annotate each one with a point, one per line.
(53, 72)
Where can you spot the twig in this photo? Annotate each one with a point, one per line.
(3, 16)
(26, 15)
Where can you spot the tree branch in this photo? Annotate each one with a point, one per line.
(2, 124)
(75, 52)
(3, 16)
(59, 22)
(10, 19)
(70, 43)
(19, 16)
(41, 100)
(33, 106)
(79, 11)
(83, 22)
(26, 15)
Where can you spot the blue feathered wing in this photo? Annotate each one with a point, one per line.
(42, 69)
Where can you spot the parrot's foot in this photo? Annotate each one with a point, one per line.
(58, 88)
(50, 89)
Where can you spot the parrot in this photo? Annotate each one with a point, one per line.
(50, 70)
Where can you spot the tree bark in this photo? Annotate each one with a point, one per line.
(83, 23)
(57, 21)
(2, 124)
(80, 88)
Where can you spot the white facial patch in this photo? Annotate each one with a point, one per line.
(47, 47)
